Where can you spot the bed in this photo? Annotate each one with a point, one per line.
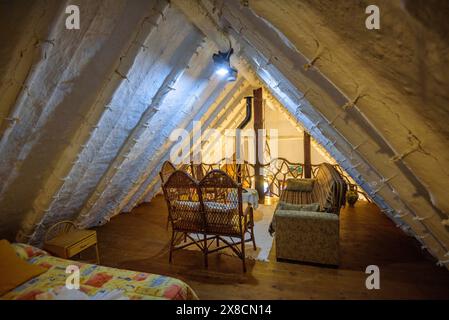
(94, 280)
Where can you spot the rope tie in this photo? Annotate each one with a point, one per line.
(353, 102)
(401, 215)
(333, 143)
(383, 182)
(335, 118)
(315, 125)
(426, 235)
(441, 263)
(355, 166)
(11, 119)
(359, 145)
(418, 218)
(403, 155)
(312, 62)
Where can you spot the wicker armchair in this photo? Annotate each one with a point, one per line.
(185, 212)
(167, 170)
(221, 198)
(210, 210)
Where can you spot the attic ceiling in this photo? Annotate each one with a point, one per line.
(85, 115)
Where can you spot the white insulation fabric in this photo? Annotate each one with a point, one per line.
(86, 115)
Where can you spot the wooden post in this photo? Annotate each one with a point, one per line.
(307, 156)
(258, 124)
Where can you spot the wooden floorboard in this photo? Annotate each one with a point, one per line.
(139, 241)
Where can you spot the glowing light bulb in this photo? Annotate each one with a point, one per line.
(222, 71)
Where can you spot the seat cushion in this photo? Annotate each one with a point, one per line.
(220, 207)
(298, 207)
(222, 218)
(187, 215)
(186, 205)
(291, 208)
(13, 270)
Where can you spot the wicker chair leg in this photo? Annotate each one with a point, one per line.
(170, 257)
(251, 218)
(243, 254)
(205, 251)
(253, 238)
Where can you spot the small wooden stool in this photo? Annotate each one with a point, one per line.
(65, 240)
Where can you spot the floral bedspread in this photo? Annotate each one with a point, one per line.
(95, 279)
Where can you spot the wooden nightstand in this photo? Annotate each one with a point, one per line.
(69, 244)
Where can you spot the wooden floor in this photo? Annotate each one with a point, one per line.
(139, 241)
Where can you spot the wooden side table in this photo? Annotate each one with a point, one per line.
(67, 245)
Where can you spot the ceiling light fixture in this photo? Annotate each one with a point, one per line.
(223, 65)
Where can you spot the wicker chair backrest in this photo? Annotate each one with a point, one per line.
(221, 197)
(167, 170)
(185, 210)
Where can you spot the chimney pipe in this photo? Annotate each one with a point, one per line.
(242, 125)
